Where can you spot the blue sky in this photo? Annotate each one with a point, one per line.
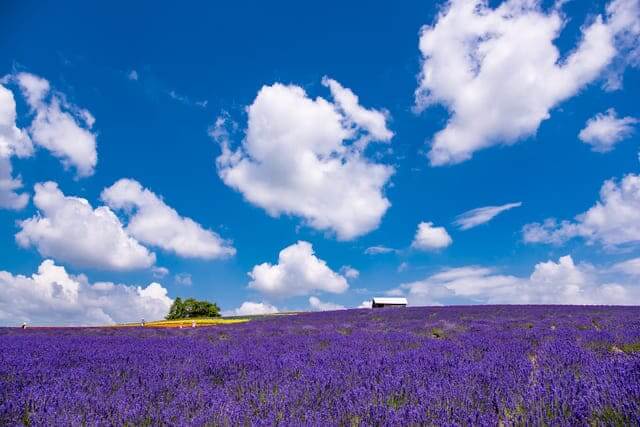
(501, 125)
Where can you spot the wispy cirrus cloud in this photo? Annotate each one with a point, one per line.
(186, 100)
(379, 249)
(479, 216)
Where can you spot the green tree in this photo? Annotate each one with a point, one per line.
(175, 312)
(191, 308)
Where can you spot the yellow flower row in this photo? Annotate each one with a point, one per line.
(187, 322)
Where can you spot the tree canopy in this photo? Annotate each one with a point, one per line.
(191, 308)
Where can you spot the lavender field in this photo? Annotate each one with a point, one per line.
(491, 365)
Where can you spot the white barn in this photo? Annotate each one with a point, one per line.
(380, 302)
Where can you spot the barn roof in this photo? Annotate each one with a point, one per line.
(389, 300)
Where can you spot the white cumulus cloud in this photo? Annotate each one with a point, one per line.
(59, 126)
(183, 279)
(349, 272)
(250, 308)
(159, 272)
(613, 220)
(603, 131)
(429, 237)
(13, 142)
(402, 267)
(153, 222)
(373, 121)
(499, 72)
(551, 282)
(365, 304)
(298, 272)
(317, 305)
(478, 216)
(69, 230)
(53, 297)
(630, 267)
(305, 157)
(10, 197)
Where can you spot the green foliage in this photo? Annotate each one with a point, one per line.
(175, 312)
(631, 348)
(191, 308)
(437, 333)
(609, 416)
(601, 346)
(397, 400)
(26, 416)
